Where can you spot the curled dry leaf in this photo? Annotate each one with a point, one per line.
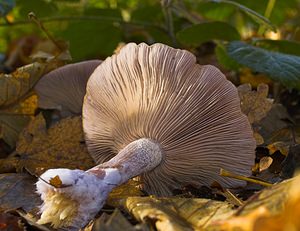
(177, 213)
(62, 145)
(273, 209)
(255, 104)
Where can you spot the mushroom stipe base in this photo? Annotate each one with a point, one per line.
(87, 191)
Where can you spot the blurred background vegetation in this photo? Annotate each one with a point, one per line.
(250, 41)
(94, 28)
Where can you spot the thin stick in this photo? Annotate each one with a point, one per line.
(239, 177)
(35, 19)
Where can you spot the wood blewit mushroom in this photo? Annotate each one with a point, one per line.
(151, 112)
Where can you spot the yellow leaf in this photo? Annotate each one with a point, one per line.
(55, 181)
(14, 119)
(283, 147)
(247, 76)
(274, 209)
(62, 145)
(172, 214)
(16, 85)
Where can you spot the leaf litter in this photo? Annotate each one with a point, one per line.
(40, 147)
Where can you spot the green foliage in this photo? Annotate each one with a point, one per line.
(251, 13)
(95, 28)
(204, 32)
(280, 67)
(224, 58)
(43, 8)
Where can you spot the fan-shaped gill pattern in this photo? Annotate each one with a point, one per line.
(161, 93)
(64, 88)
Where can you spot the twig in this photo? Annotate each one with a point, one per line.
(239, 177)
(35, 19)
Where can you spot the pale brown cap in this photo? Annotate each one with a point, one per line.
(64, 88)
(159, 92)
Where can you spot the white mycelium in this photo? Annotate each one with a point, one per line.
(83, 193)
(78, 200)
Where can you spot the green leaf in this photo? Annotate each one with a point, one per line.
(93, 38)
(283, 46)
(224, 59)
(253, 14)
(280, 67)
(42, 8)
(197, 34)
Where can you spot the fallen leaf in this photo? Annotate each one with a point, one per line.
(18, 191)
(16, 101)
(60, 146)
(177, 213)
(15, 118)
(114, 222)
(255, 104)
(258, 138)
(247, 76)
(10, 222)
(265, 163)
(283, 147)
(55, 181)
(16, 85)
(274, 209)
(276, 126)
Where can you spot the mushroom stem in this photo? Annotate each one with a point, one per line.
(138, 157)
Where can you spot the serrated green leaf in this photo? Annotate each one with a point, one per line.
(280, 67)
(197, 34)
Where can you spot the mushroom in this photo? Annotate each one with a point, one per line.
(64, 88)
(151, 112)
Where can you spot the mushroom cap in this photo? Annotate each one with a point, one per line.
(64, 88)
(160, 93)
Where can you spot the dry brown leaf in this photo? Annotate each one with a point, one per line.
(10, 222)
(177, 213)
(61, 146)
(274, 209)
(15, 118)
(18, 191)
(258, 138)
(113, 222)
(247, 76)
(15, 86)
(283, 147)
(265, 163)
(128, 189)
(56, 182)
(16, 96)
(255, 104)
